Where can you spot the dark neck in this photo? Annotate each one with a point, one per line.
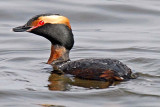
(56, 34)
(58, 54)
(61, 38)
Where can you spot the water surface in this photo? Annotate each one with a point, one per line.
(127, 30)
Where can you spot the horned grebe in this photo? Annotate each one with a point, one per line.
(57, 30)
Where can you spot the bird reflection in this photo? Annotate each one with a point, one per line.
(62, 82)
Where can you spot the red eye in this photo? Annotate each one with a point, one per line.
(41, 22)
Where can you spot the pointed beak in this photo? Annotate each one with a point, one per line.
(21, 28)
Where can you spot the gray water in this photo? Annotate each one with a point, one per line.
(127, 30)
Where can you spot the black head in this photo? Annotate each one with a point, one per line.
(54, 27)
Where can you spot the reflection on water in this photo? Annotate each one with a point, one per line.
(64, 83)
(50, 105)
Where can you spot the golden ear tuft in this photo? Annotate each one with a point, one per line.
(53, 19)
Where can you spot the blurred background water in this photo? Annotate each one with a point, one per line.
(127, 30)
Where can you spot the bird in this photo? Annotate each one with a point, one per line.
(57, 29)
